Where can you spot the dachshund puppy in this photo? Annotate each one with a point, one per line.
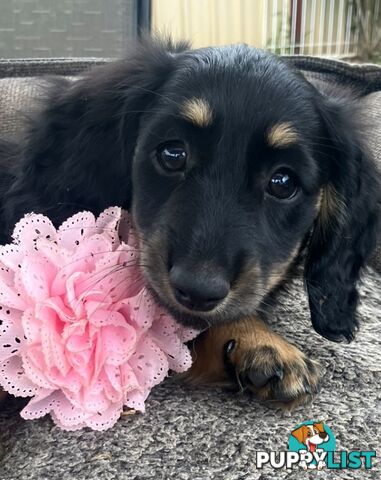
(235, 169)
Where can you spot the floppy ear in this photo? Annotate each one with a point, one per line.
(346, 228)
(300, 434)
(79, 149)
(319, 426)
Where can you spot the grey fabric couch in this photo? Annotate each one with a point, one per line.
(207, 433)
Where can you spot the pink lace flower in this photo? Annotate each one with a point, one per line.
(79, 332)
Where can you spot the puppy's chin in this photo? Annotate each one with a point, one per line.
(189, 320)
(182, 317)
(203, 321)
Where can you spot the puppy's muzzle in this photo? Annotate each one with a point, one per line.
(198, 289)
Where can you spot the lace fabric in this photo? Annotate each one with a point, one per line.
(79, 332)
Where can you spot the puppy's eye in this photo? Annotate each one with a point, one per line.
(172, 157)
(283, 184)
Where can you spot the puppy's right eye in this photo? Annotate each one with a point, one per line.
(283, 184)
(172, 157)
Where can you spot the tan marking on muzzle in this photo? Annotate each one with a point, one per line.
(277, 273)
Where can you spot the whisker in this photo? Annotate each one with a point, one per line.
(146, 90)
(117, 269)
(91, 255)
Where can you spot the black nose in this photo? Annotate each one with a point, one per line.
(198, 290)
(323, 435)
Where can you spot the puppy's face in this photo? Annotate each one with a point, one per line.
(227, 182)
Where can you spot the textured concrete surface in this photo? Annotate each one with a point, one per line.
(209, 434)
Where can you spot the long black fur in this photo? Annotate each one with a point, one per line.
(77, 151)
(336, 257)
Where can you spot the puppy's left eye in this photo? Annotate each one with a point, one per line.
(172, 157)
(283, 184)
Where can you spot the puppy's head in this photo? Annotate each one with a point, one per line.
(239, 162)
(231, 163)
(225, 183)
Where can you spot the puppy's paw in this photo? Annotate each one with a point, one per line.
(248, 355)
(272, 369)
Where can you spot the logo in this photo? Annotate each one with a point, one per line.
(312, 445)
(312, 440)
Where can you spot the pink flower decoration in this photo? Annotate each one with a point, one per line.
(79, 332)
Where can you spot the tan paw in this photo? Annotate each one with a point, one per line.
(248, 355)
(275, 371)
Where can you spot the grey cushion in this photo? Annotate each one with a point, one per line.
(17, 100)
(21, 83)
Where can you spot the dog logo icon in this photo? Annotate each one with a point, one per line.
(312, 440)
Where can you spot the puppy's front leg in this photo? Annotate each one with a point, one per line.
(251, 355)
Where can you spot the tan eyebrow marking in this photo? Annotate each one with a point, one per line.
(198, 111)
(282, 135)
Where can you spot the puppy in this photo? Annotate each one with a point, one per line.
(235, 169)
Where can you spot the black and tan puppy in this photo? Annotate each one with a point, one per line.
(233, 166)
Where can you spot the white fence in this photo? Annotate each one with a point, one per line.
(319, 27)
